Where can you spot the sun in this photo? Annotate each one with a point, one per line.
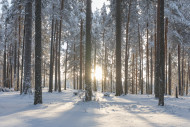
(97, 74)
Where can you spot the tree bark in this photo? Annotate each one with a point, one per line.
(182, 74)
(88, 93)
(151, 80)
(147, 63)
(51, 56)
(119, 90)
(95, 87)
(161, 57)
(170, 75)
(166, 46)
(5, 59)
(140, 64)
(38, 54)
(28, 43)
(66, 68)
(59, 50)
(81, 54)
(56, 54)
(126, 48)
(179, 70)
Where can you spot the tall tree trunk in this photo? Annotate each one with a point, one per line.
(44, 73)
(119, 90)
(81, 54)
(15, 55)
(182, 74)
(59, 52)
(22, 68)
(51, 56)
(140, 67)
(151, 80)
(105, 70)
(11, 67)
(88, 93)
(56, 55)
(5, 59)
(95, 87)
(142, 81)
(28, 43)
(38, 53)
(126, 49)
(133, 69)
(103, 63)
(156, 87)
(147, 63)
(66, 68)
(188, 78)
(170, 75)
(166, 46)
(136, 73)
(157, 93)
(179, 70)
(160, 32)
(18, 49)
(74, 69)
(112, 62)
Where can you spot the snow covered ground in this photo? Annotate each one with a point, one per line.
(67, 110)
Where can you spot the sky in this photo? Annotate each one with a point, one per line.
(97, 4)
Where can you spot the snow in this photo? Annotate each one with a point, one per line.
(68, 110)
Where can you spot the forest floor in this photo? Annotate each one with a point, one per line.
(68, 110)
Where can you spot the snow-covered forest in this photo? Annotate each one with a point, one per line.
(77, 63)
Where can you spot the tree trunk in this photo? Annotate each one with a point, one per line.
(126, 49)
(133, 69)
(66, 67)
(179, 71)
(22, 69)
(44, 73)
(136, 73)
(59, 52)
(188, 78)
(81, 54)
(112, 62)
(5, 59)
(88, 93)
(38, 54)
(166, 46)
(18, 50)
(160, 32)
(156, 87)
(28, 43)
(170, 75)
(119, 90)
(51, 56)
(105, 69)
(95, 87)
(151, 80)
(56, 55)
(140, 73)
(15, 56)
(147, 63)
(74, 69)
(182, 74)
